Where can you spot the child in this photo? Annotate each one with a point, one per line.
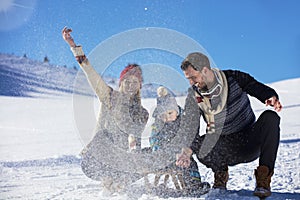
(167, 115)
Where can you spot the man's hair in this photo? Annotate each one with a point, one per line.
(185, 65)
(197, 60)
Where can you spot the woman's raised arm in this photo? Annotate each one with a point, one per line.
(101, 89)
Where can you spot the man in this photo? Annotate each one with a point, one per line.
(232, 136)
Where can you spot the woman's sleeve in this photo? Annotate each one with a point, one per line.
(102, 90)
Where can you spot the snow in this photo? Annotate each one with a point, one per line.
(40, 143)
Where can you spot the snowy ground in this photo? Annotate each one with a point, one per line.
(40, 144)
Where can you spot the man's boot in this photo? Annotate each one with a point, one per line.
(221, 178)
(263, 179)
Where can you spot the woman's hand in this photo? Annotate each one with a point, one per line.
(66, 34)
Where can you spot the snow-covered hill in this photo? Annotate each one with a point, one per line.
(40, 142)
(23, 77)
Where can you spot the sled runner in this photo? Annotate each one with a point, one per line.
(176, 178)
(172, 177)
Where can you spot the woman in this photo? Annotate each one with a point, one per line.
(121, 114)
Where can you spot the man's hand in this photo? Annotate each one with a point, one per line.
(273, 101)
(184, 158)
(66, 34)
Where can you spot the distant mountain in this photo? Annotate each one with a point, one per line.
(21, 76)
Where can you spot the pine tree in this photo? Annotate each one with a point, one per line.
(46, 60)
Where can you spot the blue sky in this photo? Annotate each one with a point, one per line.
(261, 37)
